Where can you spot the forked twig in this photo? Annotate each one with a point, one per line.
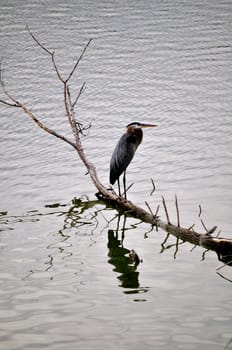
(16, 103)
(51, 53)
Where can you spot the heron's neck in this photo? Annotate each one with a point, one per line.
(137, 133)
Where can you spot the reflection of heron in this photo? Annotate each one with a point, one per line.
(124, 152)
(118, 257)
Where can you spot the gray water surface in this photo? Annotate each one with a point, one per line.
(66, 279)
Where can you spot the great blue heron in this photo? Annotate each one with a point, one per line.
(124, 152)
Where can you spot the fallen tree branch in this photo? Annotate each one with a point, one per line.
(222, 246)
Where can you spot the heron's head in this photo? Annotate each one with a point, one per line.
(135, 125)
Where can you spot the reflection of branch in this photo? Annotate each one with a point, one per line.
(225, 278)
(153, 187)
(176, 245)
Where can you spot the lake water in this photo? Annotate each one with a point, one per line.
(66, 278)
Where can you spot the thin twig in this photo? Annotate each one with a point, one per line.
(177, 211)
(8, 103)
(202, 222)
(37, 41)
(149, 208)
(79, 94)
(157, 210)
(166, 211)
(127, 189)
(56, 68)
(52, 54)
(211, 231)
(78, 61)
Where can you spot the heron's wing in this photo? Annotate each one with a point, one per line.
(122, 156)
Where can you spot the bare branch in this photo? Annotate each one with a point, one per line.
(15, 103)
(44, 127)
(78, 61)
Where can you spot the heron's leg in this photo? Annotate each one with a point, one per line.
(119, 190)
(124, 183)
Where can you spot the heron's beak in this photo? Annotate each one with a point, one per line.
(148, 125)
